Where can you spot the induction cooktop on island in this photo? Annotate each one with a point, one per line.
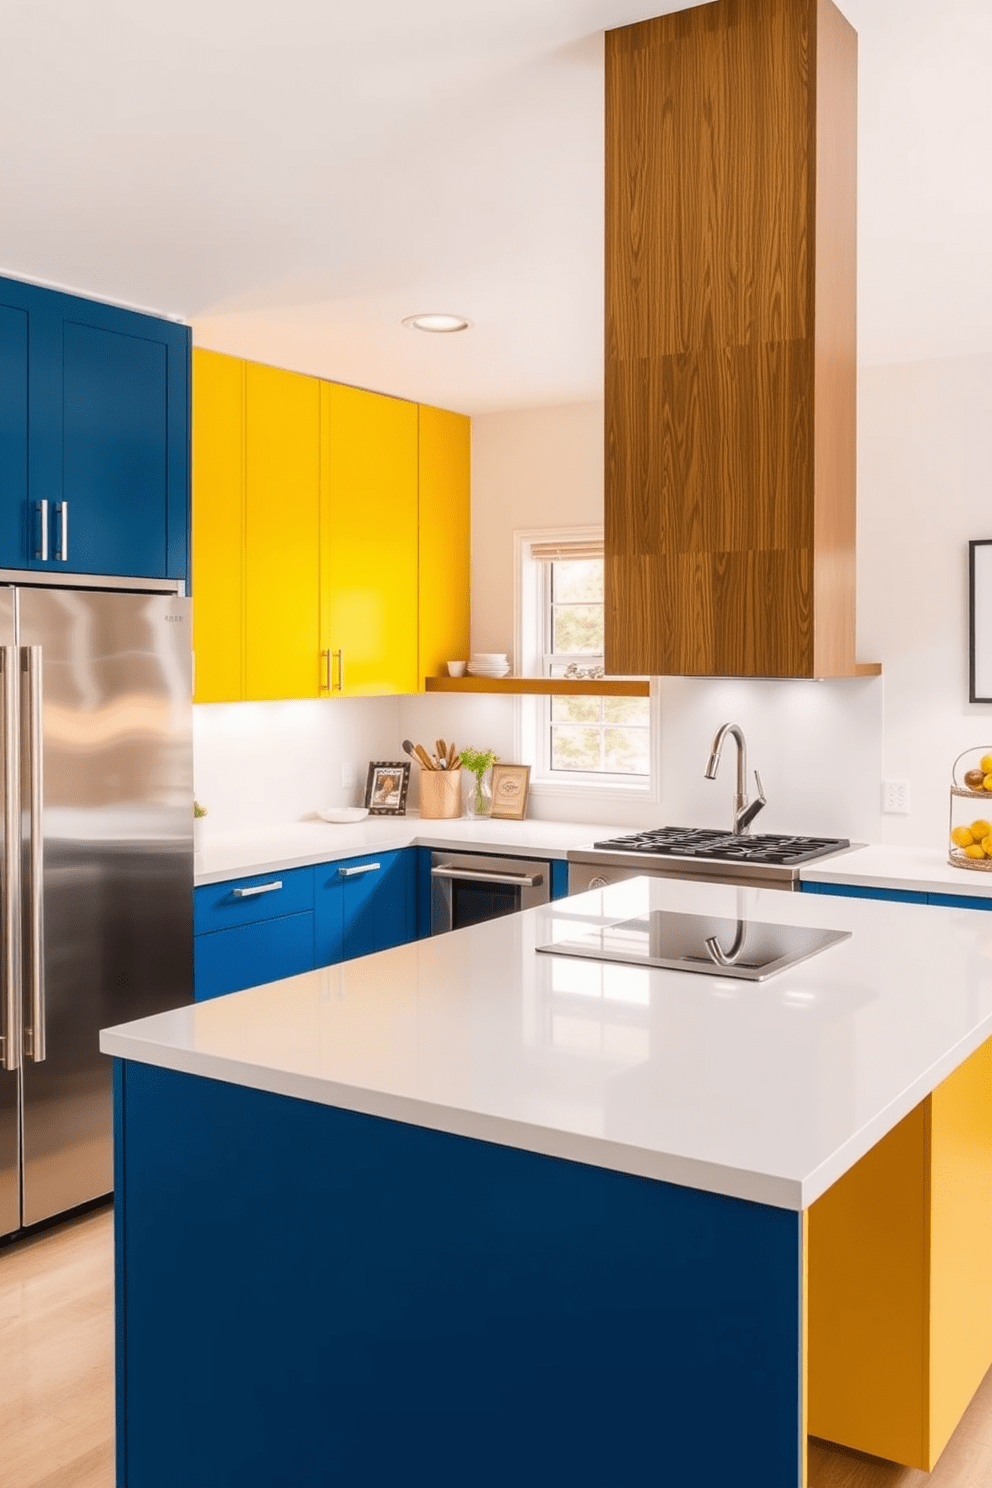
(747, 949)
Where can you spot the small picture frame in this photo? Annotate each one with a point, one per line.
(510, 784)
(386, 787)
(980, 617)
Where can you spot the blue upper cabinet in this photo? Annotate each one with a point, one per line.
(13, 434)
(94, 437)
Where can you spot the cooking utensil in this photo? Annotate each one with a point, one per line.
(422, 757)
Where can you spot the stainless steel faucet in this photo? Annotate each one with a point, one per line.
(743, 813)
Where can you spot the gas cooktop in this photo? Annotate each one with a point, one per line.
(702, 843)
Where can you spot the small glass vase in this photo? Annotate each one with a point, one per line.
(478, 794)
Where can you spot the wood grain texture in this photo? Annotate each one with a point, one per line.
(57, 1357)
(729, 453)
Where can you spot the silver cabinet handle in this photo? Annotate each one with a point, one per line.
(359, 868)
(253, 889)
(10, 1030)
(340, 657)
(34, 1039)
(42, 549)
(325, 661)
(62, 507)
(476, 875)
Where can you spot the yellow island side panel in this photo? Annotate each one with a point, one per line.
(900, 1279)
(961, 1243)
(868, 1326)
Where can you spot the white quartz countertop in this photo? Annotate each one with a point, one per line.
(264, 850)
(765, 1091)
(924, 870)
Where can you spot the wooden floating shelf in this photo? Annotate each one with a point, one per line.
(867, 668)
(559, 686)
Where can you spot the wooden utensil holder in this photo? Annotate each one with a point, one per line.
(440, 793)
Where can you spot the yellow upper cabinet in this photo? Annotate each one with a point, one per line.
(330, 536)
(445, 485)
(368, 577)
(282, 533)
(218, 521)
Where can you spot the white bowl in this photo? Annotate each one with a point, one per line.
(488, 671)
(489, 658)
(344, 813)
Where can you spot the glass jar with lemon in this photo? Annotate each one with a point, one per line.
(971, 811)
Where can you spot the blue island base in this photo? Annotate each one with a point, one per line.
(308, 1297)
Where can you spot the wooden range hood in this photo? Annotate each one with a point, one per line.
(731, 159)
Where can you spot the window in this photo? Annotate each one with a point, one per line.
(575, 740)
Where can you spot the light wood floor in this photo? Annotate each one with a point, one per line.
(57, 1357)
(57, 1371)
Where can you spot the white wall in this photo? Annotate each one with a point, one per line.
(531, 468)
(822, 748)
(924, 490)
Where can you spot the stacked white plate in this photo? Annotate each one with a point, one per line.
(489, 664)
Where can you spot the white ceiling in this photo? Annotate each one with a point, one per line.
(294, 178)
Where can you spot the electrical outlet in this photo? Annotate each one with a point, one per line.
(895, 797)
(349, 775)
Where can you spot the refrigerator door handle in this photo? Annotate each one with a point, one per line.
(35, 1032)
(10, 1032)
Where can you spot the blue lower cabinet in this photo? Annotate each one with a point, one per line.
(861, 891)
(958, 901)
(899, 896)
(248, 955)
(243, 901)
(364, 904)
(312, 1297)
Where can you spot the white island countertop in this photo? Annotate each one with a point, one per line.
(766, 1091)
(297, 844)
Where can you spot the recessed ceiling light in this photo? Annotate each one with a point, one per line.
(436, 322)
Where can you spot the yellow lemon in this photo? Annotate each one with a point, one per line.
(980, 829)
(962, 837)
(986, 764)
(987, 783)
(987, 845)
(974, 851)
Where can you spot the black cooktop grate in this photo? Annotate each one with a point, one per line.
(725, 847)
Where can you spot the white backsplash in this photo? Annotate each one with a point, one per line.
(816, 744)
(266, 764)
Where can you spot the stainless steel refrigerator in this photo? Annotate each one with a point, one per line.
(96, 874)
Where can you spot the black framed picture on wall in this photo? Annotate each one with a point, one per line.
(980, 611)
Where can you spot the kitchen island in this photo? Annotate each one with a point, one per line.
(462, 1213)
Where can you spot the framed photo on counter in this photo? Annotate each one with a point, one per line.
(980, 611)
(509, 786)
(386, 787)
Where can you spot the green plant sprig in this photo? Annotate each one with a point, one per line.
(477, 760)
(198, 810)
